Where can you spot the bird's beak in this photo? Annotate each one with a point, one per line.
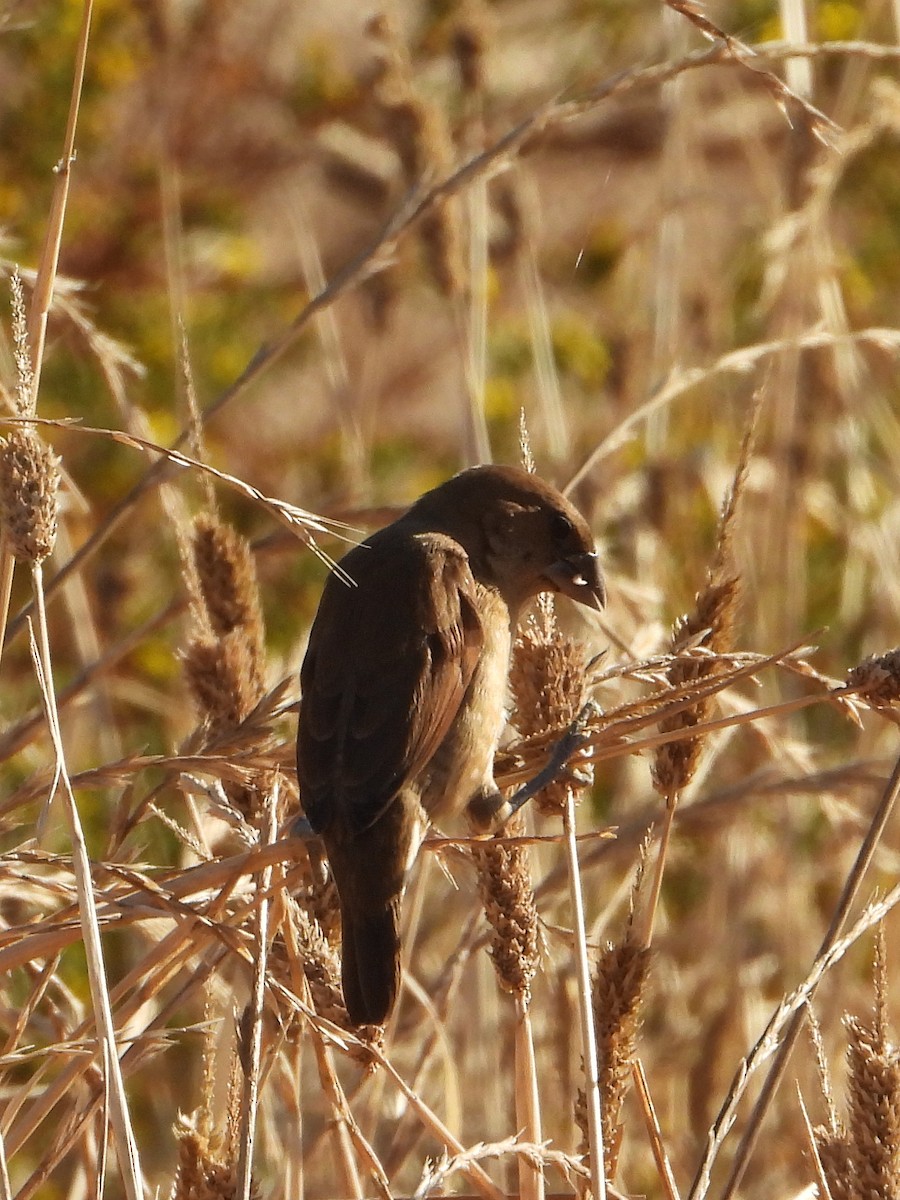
(580, 578)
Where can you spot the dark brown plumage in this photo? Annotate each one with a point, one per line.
(404, 685)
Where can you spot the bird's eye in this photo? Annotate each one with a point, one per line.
(561, 527)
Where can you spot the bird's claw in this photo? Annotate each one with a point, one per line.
(574, 741)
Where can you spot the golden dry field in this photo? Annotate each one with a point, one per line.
(272, 269)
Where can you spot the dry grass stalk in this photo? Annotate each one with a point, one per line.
(777, 1041)
(252, 1025)
(651, 1121)
(107, 1046)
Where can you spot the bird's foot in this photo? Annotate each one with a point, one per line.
(301, 828)
(490, 813)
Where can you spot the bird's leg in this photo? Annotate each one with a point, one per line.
(489, 813)
(315, 849)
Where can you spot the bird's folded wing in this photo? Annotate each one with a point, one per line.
(388, 664)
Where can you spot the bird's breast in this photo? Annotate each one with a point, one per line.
(464, 762)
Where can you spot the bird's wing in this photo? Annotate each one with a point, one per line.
(388, 664)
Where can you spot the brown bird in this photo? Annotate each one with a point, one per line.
(404, 685)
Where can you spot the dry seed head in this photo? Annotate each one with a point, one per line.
(203, 1172)
(25, 398)
(877, 678)
(320, 966)
(226, 579)
(547, 681)
(417, 129)
(873, 1094)
(441, 240)
(29, 487)
(220, 675)
(504, 884)
(617, 992)
(711, 626)
(469, 43)
(833, 1150)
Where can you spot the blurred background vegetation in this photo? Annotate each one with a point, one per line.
(646, 257)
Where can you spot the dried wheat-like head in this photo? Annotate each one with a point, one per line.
(860, 1156)
(206, 1169)
(504, 884)
(321, 965)
(877, 679)
(469, 44)
(617, 991)
(832, 1144)
(710, 626)
(221, 678)
(832, 1147)
(29, 487)
(547, 680)
(224, 661)
(227, 575)
(418, 131)
(873, 1095)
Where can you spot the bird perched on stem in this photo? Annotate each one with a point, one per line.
(404, 685)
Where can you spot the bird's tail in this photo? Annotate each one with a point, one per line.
(370, 971)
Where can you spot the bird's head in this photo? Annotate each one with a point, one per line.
(522, 536)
